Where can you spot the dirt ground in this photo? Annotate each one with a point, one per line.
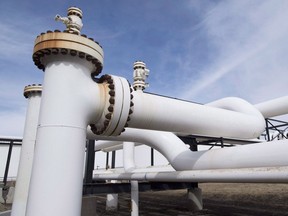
(218, 199)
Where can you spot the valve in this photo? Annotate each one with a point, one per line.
(140, 75)
(73, 21)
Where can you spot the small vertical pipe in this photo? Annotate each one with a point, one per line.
(128, 156)
(129, 165)
(112, 199)
(134, 198)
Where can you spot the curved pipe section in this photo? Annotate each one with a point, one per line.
(181, 158)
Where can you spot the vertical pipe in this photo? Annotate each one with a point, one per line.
(71, 101)
(128, 156)
(129, 165)
(57, 174)
(134, 198)
(33, 94)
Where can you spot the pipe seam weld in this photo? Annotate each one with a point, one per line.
(61, 126)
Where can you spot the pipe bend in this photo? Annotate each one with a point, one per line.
(235, 104)
(181, 158)
(242, 106)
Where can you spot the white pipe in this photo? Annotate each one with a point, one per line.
(128, 156)
(163, 168)
(129, 166)
(181, 158)
(33, 93)
(103, 144)
(109, 146)
(247, 175)
(275, 107)
(134, 198)
(235, 104)
(59, 155)
(161, 113)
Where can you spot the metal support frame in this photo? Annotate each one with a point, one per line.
(194, 140)
(114, 188)
(10, 143)
(275, 125)
(8, 163)
(107, 160)
(90, 160)
(152, 157)
(113, 159)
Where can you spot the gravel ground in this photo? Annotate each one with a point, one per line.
(219, 200)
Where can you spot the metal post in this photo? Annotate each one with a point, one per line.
(113, 159)
(90, 160)
(267, 130)
(8, 163)
(222, 143)
(107, 160)
(152, 157)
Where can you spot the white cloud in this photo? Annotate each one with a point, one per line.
(248, 40)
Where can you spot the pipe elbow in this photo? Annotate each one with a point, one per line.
(254, 118)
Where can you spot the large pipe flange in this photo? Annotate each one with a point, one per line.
(117, 108)
(32, 89)
(64, 43)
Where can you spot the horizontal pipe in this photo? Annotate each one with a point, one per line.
(156, 112)
(272, 108)
(244, 175)
(109, 146)
(103, 144)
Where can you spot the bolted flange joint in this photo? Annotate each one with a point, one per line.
(64, 43)
(118, 108)
(32, 89)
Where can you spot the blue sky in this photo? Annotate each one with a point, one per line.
(197, 50)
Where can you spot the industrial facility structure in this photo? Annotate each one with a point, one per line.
(77, 105)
